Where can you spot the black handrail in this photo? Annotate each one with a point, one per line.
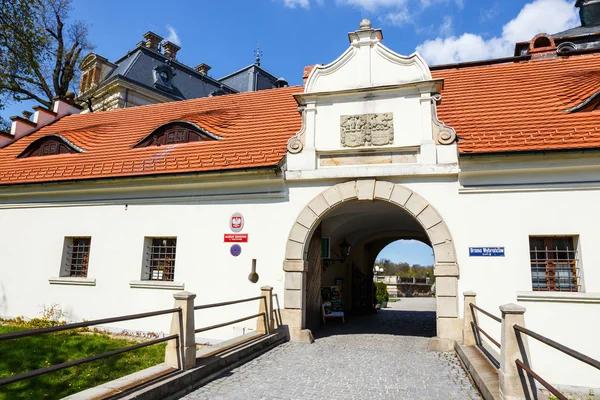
(486, 334)
(549, 342)
(573, 353)
(492, 316)
(52, 329)
(57, 367)
(208, 328)
(548, 386)
(226, 303)
(478, 329)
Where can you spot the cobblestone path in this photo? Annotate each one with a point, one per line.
(379, 356)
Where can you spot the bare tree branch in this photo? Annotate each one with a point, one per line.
(40, 49)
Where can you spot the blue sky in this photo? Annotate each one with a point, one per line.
(410, 251)
(295, 33)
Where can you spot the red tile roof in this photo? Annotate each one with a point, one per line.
(494, 108)
(521, 106)
(255, 128)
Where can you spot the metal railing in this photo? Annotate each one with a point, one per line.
(549, 342)
(478, 329)
(227, 303)
(53, 329)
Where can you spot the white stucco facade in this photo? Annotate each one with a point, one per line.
(496, 201)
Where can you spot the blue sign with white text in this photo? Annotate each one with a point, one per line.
(486, 251)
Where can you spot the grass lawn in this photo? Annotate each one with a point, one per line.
(30, 353)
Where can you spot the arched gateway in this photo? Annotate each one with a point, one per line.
(296, 264)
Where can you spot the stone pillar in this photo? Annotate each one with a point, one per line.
(446, 292)
(267, 292)
(294, 301)
(511, 385)
(469, 338)
(185, 329)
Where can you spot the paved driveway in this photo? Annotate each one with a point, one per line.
(380, 356)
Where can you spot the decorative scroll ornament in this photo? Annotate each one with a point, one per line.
(294, 144)
(443, 134)
(367, 130)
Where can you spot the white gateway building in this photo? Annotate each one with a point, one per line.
(494, 165)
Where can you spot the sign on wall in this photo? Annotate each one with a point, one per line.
(235, 238)
(486, 251)
(235, 250)
(236, 222)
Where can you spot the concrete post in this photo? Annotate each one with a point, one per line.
(266, 291)
(185, 329)
(511, 385)
(469, 338)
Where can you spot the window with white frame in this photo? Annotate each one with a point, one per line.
(76, 257)
(554, 263)
(159, 262)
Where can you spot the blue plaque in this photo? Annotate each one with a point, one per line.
(486, 251)
(235, 250)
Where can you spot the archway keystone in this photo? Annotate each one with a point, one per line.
(445, 268)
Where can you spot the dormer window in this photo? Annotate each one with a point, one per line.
(50, 145)
(163, 77)
(176, 132)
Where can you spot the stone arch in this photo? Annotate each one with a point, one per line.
(445, 267)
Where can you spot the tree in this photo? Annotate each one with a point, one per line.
(39, 50)
(4, 124)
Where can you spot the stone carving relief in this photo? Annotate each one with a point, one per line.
(367, 130)
(442, 133)
(295, 144)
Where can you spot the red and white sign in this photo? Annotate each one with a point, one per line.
(236, 222)
(235, 238)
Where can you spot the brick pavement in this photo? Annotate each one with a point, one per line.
(379, 356)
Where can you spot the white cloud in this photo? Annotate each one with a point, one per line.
(372, 5)
(489, 13)
(447, 27)
(429, 3)
(296, 3)
(397, 18)
(550, 16)
(173, 38)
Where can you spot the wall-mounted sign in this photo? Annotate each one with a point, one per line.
(486, 251)
(236, 222)
(235, 250)
(235, 238)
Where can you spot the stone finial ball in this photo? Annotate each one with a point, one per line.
(365, 24)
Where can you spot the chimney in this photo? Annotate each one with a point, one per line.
(170, 49)
(152, 40)
(202, 68)
(65, 105)
(281, 82)
(589, 12)
(307, 70)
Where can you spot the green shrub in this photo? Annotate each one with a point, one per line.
(381, 293)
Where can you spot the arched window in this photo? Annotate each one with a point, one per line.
(49, 145)
(542, 41)
(175, 133)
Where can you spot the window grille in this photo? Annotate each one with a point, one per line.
(554, 264)
(78, 257)
(162, 259)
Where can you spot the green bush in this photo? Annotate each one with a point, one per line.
(381, 293)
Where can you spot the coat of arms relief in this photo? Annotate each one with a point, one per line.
(367, 130)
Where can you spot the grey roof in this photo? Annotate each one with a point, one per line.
(137, 67)
(250, 78)
(580, 30)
